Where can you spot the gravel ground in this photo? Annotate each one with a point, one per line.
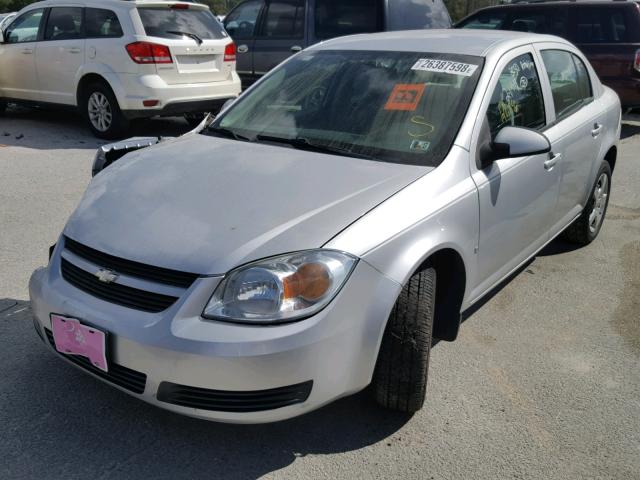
(542, 383)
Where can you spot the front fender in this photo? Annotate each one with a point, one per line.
(438, 211)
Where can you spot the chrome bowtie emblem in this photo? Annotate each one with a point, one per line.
(106, 276)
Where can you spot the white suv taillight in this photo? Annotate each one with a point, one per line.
(230, 53)
(147, 52)
(636, 62)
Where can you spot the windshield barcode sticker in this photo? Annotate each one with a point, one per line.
(445, 66)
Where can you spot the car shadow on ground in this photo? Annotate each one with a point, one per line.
(58, 421)
(44, 128)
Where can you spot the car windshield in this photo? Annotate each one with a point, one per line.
(390, 106)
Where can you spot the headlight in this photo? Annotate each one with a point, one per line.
(280, 289)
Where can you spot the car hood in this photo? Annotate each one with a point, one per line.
(206, 205)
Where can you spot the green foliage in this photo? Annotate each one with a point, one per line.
(458, 9)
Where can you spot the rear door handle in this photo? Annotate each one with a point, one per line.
(553, 159)
(27, 51)
(597, 128)
(243, 49)
(74, 50)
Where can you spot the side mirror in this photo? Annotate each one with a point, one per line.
(511, 142)
(226, 104)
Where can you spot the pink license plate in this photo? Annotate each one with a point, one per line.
(73, 338)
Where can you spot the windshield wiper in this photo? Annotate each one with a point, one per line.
(186, 34)
(226, 132)
(305, 144)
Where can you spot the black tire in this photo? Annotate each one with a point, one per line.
(118, 124)
(400, 377)
(581, 231)
(194, 119)
(3, 106)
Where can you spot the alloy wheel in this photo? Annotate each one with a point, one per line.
(600, 195)
(100, 113)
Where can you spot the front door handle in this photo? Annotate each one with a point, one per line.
(243, 49)
(27, 51)
(597, 128)
(553, 159)
(296, 48)
(74, 50)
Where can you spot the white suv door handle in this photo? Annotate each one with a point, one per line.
(74, 50)
(597, 128)
(27, 51)
(553, 159)
(243, 49)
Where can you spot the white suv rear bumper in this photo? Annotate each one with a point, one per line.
(132, 90)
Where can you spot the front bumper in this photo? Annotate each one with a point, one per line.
(336, 349)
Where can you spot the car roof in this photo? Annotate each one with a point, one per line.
(557, 3)
(469, 42)
(112, 3)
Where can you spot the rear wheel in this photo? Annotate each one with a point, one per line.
(3, 106)
(400, 378)
(587, 226)
(101, 111)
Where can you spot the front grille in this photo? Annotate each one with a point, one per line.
(114, 292)
(127, 267)
(232, 401)
(122, 376)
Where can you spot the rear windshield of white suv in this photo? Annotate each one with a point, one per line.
(180, 22)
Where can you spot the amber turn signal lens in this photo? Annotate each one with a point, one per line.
(310, 282)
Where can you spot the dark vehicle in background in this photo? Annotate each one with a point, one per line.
(267, 32)
(607, 32)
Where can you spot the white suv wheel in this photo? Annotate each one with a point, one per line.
(100, 113)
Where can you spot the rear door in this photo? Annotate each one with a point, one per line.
(280, 35)
(61, 54)
(18, 77)
(195, 38)
(609, 36)
(577, 129)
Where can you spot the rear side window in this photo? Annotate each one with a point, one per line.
(64, 23)
(517, 99)
(174, 22)
(487, 20)
(570, 83)
(417, 14)
(24, 28)
(100, 23)
(335, 18)
(601, 25)
(284, 19)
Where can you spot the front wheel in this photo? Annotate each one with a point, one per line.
(587, 226)
(3, 106)
(102, 112)
(400, 377)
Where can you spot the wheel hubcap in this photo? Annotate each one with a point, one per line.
(99, 111)
(600, 195)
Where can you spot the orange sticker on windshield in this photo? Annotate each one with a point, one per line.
(405, 96)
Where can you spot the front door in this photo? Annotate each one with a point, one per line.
(241, 24)
(60, 55)
(517, 196)
(281, 34)
(18, 77)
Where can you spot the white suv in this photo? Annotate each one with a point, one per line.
(117, 60)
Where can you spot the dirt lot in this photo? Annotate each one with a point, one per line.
(543, 381)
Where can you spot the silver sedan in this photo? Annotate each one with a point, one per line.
(318, 234)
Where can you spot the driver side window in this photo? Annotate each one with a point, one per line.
(241, 23)
(25, 28)
(517, 99)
